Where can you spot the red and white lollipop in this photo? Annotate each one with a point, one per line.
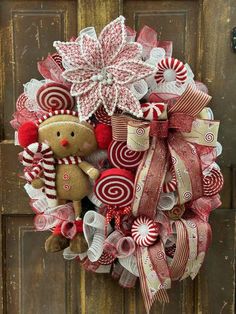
(54, 96)
(169, 70)
(115, 187)
(152, 111)
(144, 231)
(213, 182)
(21, 102)
(121, 157)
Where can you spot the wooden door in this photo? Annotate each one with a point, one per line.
(35, 282)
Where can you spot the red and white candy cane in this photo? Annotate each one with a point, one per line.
(170, 184)
(47, 164)
(34, 173)
(170, 69)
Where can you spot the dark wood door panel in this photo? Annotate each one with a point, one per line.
(35, 282)
(173, 20)
(28, 29)
(215, 284)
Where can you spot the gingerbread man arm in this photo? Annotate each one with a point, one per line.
(87, 168)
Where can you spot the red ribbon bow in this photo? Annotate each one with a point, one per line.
(116, 213)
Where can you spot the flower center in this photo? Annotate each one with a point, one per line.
(104, 77)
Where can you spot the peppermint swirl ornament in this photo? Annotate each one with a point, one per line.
(115, 187)
(213, 182)
(120, 156)
(58, 59)
(54, 96)
(21, 102)
(144, 231)
(102, 116)
(170, 70)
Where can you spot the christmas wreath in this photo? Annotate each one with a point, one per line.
(119, 157)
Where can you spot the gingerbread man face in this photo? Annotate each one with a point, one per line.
(67, 136)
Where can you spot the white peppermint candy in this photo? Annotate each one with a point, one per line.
(144, 231)
(152, 110)
(170, 69)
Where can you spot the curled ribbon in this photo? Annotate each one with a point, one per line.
(118, 245)
(94, 233)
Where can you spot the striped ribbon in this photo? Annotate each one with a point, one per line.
(70, 160)
(191, 102)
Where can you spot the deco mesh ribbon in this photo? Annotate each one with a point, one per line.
(159, 178)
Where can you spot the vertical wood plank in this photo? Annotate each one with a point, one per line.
(216, 280)
(97, 13)
(218, 69)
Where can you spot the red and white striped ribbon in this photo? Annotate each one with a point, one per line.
(191, 102)
(70, 160)
(47, 164)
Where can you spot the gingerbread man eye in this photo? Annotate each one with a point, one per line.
(72, 134)
(58, 133)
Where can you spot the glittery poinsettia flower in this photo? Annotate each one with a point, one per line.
(102, 69)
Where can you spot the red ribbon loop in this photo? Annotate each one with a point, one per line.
(159, 128)
(181, 122)
(178, 121)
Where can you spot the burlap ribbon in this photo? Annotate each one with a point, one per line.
(174, 140)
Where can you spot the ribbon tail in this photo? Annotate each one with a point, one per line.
(150, 178)
(154, 275)
(187, 167)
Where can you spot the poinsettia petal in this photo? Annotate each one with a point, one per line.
(78, 74)
(71, 53)
(91, 51)
(112, 39)
(136, 68)
(129, 103)
(130, 51)
(81, 88)
(109, 95)
(88, 103)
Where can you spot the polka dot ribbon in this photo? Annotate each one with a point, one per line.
(116, 213)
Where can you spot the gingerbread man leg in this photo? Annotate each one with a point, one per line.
(77, 208)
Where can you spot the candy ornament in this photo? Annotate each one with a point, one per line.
(121, 157)
(152, 111)
(54, 96)
(213, 182)
(115, 187)
(144, 231)
(169, 70)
